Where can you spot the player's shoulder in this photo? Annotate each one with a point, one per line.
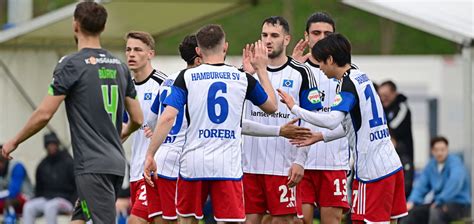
(158, 76)
(302, 68)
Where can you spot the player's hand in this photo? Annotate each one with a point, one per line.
(148, 132)
(246, 65)
(295, 175)
(259, 56)
(286, 98)
(409, 206)
(150, 169)
(298, 51)
(292, 131)
(8, 148)
(315, 137)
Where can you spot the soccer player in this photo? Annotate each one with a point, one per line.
(214, 95)
(324, 181)
(378, 189)
(272, 166)
(161, 200)
(96, 86)
(139, 52)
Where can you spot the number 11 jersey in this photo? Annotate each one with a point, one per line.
(366, 127)
(214, 95)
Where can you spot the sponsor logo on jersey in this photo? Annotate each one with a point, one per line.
(288, 83)
(362, 78)
(314, 96)
(337, 100)
(93, 60)
(147, 96)
(274, 115)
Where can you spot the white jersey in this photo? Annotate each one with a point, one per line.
(333, 155)
(275, 155)
(214, 96)
(147, 90)
(167, 157)
(366, 127)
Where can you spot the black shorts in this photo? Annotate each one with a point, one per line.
(97, 194)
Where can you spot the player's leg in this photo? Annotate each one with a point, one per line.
(308, 212)
(227, 201)
(97, 195)
(332, 195)
(331, 215)
(54, 207)
(139, 211)
(399, 208)
(254, 196)
(190, 198)
(167, 192)
(281, 199)
(153, 202)
(308, 187)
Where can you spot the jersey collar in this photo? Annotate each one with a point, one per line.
(312, 64)
(281, 67)
(144, 81)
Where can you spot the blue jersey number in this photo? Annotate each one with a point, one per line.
(376, 120)
(212, 101)
(179, 118)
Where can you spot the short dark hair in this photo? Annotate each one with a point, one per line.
(187, 49)
(210, 36)
(144, 37)
(320, 17)
(278, 20)
(335, 45)
(390, 84)
(91, 17)
(438, 139)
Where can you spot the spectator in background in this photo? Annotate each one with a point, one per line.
(15, 186)
(446, 176)
(398, 114)
(55, 190)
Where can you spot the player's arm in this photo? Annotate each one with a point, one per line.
(259, 60)
(37, 121)
(289, 130)
(135, 117)
(174, 102)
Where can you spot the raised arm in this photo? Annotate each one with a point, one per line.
(289, 130)
(259, 61)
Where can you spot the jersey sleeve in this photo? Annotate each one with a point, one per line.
(179, 93)
(131, 91)
(309, 93)
(255, 92)
(346, 99)
(64, 78)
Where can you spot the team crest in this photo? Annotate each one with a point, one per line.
(287, 83)
(314, 96)
(337, 100)
(147, 96)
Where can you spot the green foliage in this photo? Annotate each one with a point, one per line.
(362, 28)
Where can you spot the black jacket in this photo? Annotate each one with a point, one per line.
(55, 177)
(399, 121)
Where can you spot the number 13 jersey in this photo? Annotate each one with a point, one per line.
(214, 95)
(366, 127)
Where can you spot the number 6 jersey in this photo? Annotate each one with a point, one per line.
(366, 127)
(214, 95)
